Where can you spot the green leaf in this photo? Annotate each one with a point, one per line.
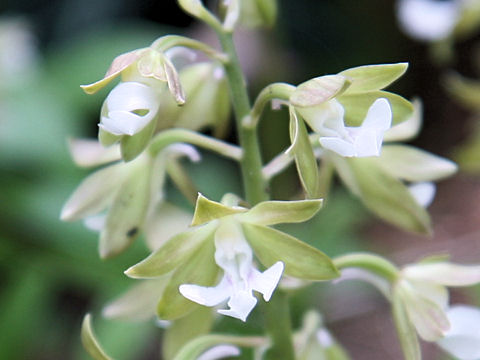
(195, 324)
(132, 146)
(357, 105)
(199, 269)
(388, 197)
(415, 165)
(305, 160)
(90, 342)
(128, 210)
(405, 330)
(318, 90)
(277, 212)
(196, 347)
(373, 77)
(173, 253)
(301, 260)
(207, 210)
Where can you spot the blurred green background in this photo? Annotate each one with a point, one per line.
(51, 273)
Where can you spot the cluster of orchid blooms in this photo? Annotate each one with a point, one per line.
(343, 124)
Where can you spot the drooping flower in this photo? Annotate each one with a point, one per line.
(121, 198)
(235, 257)
(422, 291)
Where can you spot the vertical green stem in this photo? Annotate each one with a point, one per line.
(276, 312)
(251, 164)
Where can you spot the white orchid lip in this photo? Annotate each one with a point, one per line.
(364, 140)
(234, 256)
(128, 108)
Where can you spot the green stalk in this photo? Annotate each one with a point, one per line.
(276, 312)
(251, 163)
(371, 262)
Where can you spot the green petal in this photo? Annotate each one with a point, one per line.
(207, 210)
(132, 146)
(107, 139)
(301, 260)
(277, 212)
(94, 193)
(173, 253)
(128, 211)
(373, 77)
(139, 302)
(405, 330)
(357, 105)
(318, 90)
(195, 324)
(89, 152)
(415, 165)
(387, 196)
(304, 157)
(90, 342)
(199, 269)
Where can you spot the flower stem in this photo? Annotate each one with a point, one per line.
(280, 91)
(172, 136)
(251, 163)
(371, 262)
(276, 312)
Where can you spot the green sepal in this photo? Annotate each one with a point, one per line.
(318, 90)
(193, 349)
(173, 253)
(139, 302)
(127, 213)
(305, 160)
(301, 260)
(387, 196)
(106, 138)
(199, 269)
(94, 193)
(181, 331)
(357, 105)
(132, 146)
(415, 165)
(405, 330)
(278, 212)
(207, 210)
(373, 77)
(89, 340)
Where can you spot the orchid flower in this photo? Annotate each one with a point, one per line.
(100, 199)
(362, 141)
(230, 235)
(235, 257)
(422, 289)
